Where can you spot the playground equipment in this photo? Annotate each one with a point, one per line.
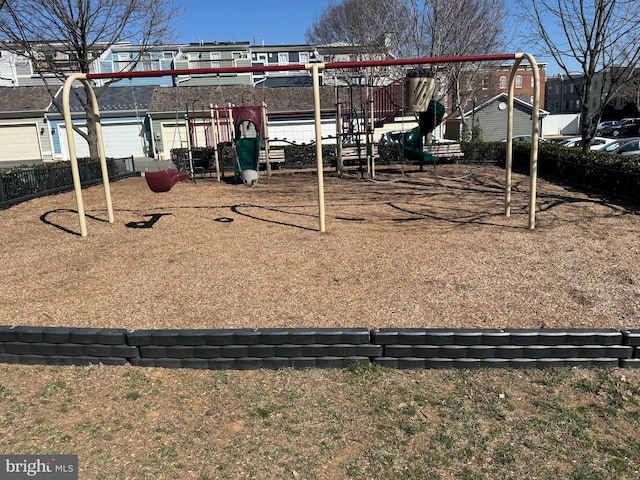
(420, 87)
(358, 116)
(163, 180)
(241, 127)
(517, 58)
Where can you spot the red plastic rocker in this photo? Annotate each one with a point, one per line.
(163, 180)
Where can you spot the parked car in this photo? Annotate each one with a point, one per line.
(614, 145)
(607, 128)
(632, 147)
(596, 144)
(627, 128)
(524, 138)
(391, 137)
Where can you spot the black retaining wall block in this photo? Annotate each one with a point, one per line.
(493, 348)
(59, 360)
(253, 348)
(101, 336)
(68, 349)
(267, 336)
(631, 337)
(64, 346)
(405, 348)
(630, 363)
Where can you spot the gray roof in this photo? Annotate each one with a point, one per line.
(518, 103)
(24, 99)
(114, 98)
(278, 100)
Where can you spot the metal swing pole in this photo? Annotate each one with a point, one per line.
(315, 69)
(75, 171)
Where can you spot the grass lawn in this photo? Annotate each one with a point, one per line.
(360, 423)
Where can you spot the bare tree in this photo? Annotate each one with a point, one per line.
(364, 28)
(418, 28)
(60, 37)
(601, 36)
(485, 33)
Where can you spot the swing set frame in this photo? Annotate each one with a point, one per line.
(315, 69)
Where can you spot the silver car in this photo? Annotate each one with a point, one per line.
(615, 145)
(631, 147)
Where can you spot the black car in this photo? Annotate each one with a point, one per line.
(627, 128)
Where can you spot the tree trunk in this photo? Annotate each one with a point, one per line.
(92, 133)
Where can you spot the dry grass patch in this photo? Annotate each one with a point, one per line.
(360, 423)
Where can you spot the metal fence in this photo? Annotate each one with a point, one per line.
(24, 184)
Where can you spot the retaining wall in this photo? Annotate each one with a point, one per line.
(321, 348)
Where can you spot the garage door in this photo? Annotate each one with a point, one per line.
(19, 143)
(173, 136)
(120, 140)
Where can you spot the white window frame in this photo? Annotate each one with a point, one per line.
(518, 81)
(195, 58)
(124, 58)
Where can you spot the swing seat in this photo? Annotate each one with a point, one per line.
(163, 180)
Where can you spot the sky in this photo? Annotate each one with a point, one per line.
(273, 22)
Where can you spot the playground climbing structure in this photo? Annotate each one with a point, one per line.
(243, 129)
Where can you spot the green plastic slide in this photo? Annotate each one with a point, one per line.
(412, 141)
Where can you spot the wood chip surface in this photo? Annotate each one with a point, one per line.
(415, 249)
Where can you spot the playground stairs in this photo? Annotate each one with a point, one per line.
(388, 102)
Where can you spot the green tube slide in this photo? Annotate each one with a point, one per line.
(412, 141)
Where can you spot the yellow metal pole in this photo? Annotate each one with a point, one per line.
(315, 69)
(101, 150)
(75, 172)
(509, 153)
(535, 133)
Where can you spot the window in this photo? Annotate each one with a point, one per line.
(485, 83)
(283, 58)
(518, 81)
(532, 81)
(503, 82)
(194, 60)
(145, 62)
(303, 57)
(123, 61)
(238, 55)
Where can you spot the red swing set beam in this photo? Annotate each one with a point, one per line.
(315, 68)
